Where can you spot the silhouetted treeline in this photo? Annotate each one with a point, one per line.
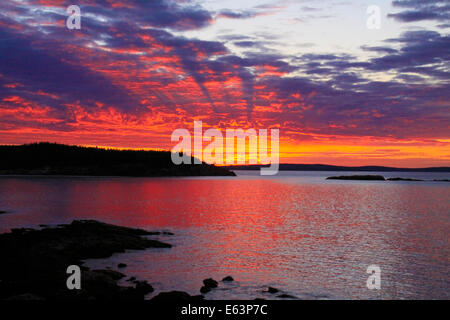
(59, 159)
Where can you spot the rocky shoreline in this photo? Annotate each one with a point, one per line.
(35, 261)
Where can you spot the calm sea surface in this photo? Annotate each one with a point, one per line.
(310, 237)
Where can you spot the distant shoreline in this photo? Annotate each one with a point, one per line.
(381, 178)
(51, 159)
(324, 167)
(106, 177)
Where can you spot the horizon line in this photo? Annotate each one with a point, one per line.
(232, 165)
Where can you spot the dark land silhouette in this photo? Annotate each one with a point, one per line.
(325, 167)
(356, 177)
(379, 178)
(35, 261)
(58, 159)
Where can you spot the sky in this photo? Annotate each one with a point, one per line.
(338, 91)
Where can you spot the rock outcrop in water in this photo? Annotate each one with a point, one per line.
(403, 179)
(358, 177)
(34, 262)
(379, 178)
(208, 284)
(228, 279)
(272, 290)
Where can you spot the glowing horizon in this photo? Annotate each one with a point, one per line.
(340, 93)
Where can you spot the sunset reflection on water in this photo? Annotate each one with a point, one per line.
(306, 236)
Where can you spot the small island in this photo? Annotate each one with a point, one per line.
(58, 159)
(379, 178)
(358, 177)
(403, 179)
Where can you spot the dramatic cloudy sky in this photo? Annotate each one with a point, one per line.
(339, 92)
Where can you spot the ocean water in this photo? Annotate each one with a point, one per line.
(309, 237)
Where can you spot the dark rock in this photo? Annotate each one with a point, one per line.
(358, 177)
(36, 260)
(121, 265)
(286, 296)
(210, 283)
(228, 279)
(176, 296)
(205, 289)
(25, 297)
(272, 290)
(115, 275)
(403, 179)
(143, 287)
(132, 279)
(99, 285)
(2, 212)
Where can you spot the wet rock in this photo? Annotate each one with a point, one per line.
(143, 287)
(177, 296)
(272, 290)
(205, 289)
(210, 283)
(121, 265)
(228, 279)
